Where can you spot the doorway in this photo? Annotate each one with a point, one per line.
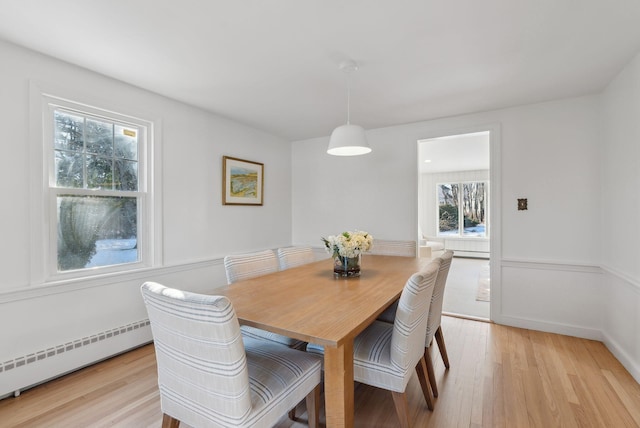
(453, 213)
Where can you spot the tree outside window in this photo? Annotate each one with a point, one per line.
(466, 201)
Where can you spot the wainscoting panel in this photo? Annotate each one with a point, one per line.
(553, 297)
(621, 324)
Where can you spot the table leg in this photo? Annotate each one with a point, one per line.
(338, 385)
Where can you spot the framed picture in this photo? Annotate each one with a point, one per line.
(242, 182)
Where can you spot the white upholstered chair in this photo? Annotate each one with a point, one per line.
(385, 355)
(435, 317)
(210, 376)
(434, 328)
(251, 265)
(290, 257)
(385, 247)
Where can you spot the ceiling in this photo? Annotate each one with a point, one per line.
(274, 65)
(466, 152)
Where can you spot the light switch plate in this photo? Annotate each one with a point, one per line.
(522, 204)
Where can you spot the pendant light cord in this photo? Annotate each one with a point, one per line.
(348, 66)
(348, 98)
(348, 140)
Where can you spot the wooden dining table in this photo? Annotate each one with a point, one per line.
(309, 303)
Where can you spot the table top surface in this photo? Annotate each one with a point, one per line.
(309, 303)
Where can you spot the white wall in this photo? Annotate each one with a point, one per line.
(197, 230)
(570, 264)
(548, 154)
(545, 152)
(372, 193)
(620, 213)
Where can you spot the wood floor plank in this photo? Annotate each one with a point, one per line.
(488, 392)
(553, 381)
(477, 396)
(560, 373)
(514, 398)
(610, 407)
(627, 400)
(500, 377)
(587, 412)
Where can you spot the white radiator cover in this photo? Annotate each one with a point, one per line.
(469, 246)
(29, 370)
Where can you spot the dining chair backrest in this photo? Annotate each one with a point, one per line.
(407, 341)
(210, 375)
(198, 348)
(290, 257)
(385, 354)
(435, 311)
(250, 265)
(383, 247)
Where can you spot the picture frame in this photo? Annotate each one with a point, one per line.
(242, 182)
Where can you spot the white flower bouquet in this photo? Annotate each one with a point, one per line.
(348, 244)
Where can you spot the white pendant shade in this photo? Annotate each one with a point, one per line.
(348, 140)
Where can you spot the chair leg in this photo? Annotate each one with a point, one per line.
(169, 421)
(430, 371)
(441, 347)
(300, 346)
(313, 407)
(421, 370)
(402, 408)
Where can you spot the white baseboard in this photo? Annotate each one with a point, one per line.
(472, 254)
(618, 351)
(549, 327)
(633, 367)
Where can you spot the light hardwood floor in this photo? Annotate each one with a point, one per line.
(499, 377)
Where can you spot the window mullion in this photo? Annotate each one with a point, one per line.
(85, 181)
(460, 210)
(113, 157)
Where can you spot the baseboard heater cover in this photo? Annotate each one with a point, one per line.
(8, 367)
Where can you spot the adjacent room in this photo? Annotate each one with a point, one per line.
(425, 208)
(453, 213)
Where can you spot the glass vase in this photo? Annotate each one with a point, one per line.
(346, 267)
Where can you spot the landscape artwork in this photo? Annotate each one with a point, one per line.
(242, 181)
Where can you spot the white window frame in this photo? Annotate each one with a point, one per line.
(44, 191)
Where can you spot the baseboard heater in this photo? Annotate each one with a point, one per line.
(33, 369)
(468, 247)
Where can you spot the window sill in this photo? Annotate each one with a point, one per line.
(66, 285)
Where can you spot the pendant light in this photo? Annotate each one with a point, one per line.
(348, 140)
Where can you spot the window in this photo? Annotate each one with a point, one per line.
(97, 188)
(466, 201)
